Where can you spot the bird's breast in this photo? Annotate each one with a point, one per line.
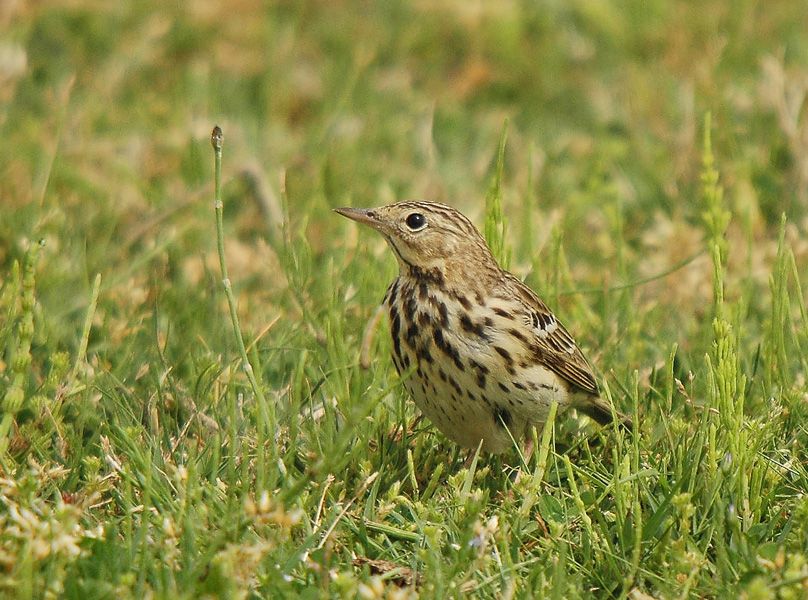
(463, 369)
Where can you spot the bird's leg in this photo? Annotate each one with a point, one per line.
(527, 450)
(397, 433)
(473, 455)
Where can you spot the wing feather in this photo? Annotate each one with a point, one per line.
(553, 345)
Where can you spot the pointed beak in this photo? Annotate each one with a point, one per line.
(360, 215)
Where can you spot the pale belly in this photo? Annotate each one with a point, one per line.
(466, 388)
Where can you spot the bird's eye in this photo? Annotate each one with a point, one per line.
(415, 221)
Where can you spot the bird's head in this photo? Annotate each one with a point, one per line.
(425, 235)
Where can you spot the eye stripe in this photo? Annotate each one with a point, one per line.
(457, 219)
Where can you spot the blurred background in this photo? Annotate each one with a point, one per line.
(106, 109)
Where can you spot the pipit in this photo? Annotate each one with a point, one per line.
(480, 353)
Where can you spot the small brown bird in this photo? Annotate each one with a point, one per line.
(487, 356)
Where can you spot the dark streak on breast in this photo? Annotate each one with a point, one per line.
(477, 366)
(412, 335)
(508, 359)
(427, 276)
(518, 335)
(395, 330)
(464, 302)
(474, 328)
(447, 348)
(391, 293)
(455, 385)
(410, 305)
(444, 314)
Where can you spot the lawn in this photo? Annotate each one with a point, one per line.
(642, 165)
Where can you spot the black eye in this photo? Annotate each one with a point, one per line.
(415, 221)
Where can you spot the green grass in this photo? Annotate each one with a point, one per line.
(641, 164)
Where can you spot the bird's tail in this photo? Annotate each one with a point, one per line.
(600, 410)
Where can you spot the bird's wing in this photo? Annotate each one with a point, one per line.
(554, 346)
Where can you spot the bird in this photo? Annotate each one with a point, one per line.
(480, 354)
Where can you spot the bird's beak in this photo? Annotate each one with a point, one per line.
(360, 215)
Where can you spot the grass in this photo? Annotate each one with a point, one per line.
(642, 165)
